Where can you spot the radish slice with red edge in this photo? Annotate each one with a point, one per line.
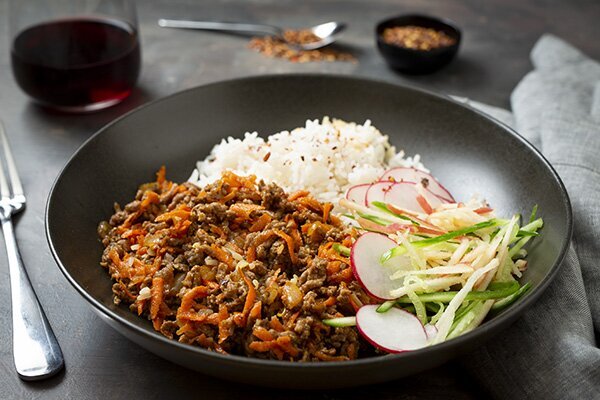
(377, 191)
(405, 174)
(365, 256)
(405, 195)
(358, 193)
(394, 331)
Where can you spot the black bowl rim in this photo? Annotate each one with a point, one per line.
(513, 311)
(451, 25)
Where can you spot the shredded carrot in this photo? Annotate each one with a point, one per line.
(114, 257)
(202, 194)
(290, 245)
(333, 267)
(221, 255)
(178, 213)
(185, 312)
(262, 334)
(161, 175)
(218, 231)
(347, 241)
(330, 301)
(223, 315)
(181, 228)
(157, 292)
(278, 353)
(140, 306)
(209, 343)
(243, 210)
(335, 220)
(250, 296)
(260, 223)
(116, 260)
(258, 240)
(130, 219)
(132, 233)
(326, 210)
(304, 229)
(261, 347)
(276, 324)
(126, 291)
(256, 311)
(182, 189)
(285, 343)
(213, 319)
(185, 328)
(150, 197)
(324, 249)
(290, 322)
(311, 204)
(326, 357)
(238, 319)
(298, 194)
(235, 247)
(345, 275)
(236, 181)
(297, 237)
(483, 210)
(229, 196)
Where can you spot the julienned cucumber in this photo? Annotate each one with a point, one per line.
(340, 322)
(502, 304)
(446, 297)
(396, 251)
(383, 207)
(374, 218)
(385, 306)
(341, 249)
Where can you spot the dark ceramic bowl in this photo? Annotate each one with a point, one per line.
(417, 61)
(466, 150)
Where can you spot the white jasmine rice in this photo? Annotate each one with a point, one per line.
(324, 157)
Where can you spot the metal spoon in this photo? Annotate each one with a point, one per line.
(327, 32)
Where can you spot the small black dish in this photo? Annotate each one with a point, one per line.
(417, 61)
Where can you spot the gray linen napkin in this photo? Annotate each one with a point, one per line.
(551, 352)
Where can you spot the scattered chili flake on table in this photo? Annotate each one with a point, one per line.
(417, 37)
(271, 46)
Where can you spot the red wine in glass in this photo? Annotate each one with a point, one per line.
(77, 64)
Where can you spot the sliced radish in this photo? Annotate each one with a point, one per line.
(358, 193)
(404, 174)
(366, 265)
(406, 195)
(393, 331)
(377, 192)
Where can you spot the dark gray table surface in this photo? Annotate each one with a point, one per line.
(498, 36)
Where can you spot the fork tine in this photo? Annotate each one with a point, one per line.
(4, 190)
(17, 188)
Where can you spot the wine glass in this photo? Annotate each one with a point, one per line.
(75, 55)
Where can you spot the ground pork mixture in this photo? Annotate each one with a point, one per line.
(237, 267)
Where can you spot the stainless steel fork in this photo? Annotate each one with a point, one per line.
(36, 351)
